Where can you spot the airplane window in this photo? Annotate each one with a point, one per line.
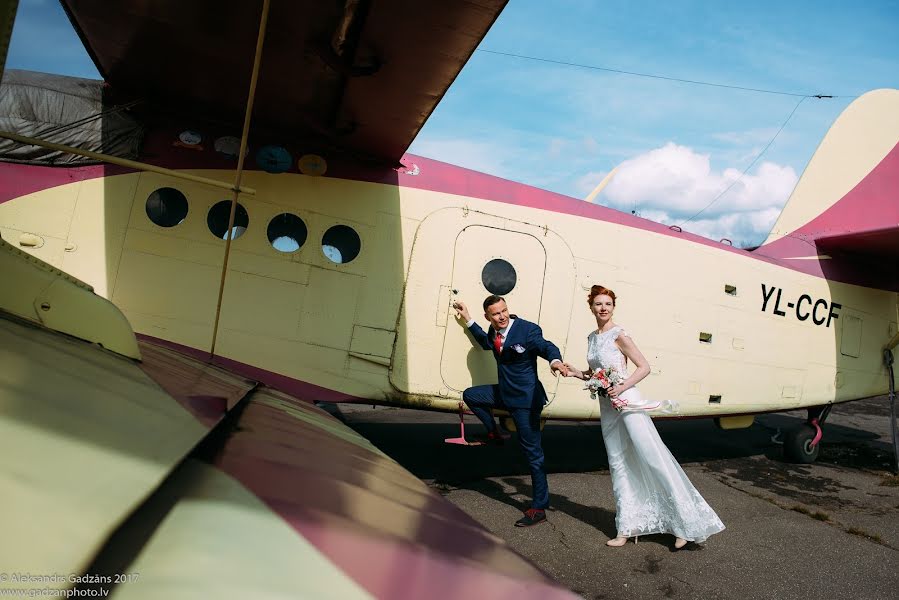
(499, 277)
(287, 233)
(341, 244)
(274, 159)
(166, 207)
(217, 220)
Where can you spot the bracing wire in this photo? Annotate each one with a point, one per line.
(754, 160)
(802, 98)
(653, 76)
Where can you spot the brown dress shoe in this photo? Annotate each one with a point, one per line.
(532, 516)
(494, 438)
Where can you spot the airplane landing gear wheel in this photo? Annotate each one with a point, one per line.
(798, 445)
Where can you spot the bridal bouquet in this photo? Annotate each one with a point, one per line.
(601, 380)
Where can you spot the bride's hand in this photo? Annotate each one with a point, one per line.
(615, 391)
(574, 372)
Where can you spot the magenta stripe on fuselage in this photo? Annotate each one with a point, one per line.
(437, 176)
(21, 179)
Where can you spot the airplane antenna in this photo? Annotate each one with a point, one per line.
(605, 181)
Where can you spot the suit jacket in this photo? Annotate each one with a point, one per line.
(516, 365)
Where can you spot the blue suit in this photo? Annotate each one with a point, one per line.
(518, 391)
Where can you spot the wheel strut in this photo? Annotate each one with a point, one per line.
(818, 420)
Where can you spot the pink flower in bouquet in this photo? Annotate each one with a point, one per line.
(602, 380)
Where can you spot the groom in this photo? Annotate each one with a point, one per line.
(516, 344)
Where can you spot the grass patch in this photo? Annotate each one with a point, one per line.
(862, 533)
(815, 514)
(890, 480)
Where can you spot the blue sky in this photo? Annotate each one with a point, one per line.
(677, 146)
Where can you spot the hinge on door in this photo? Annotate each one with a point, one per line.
(545, 230)
(465, 210)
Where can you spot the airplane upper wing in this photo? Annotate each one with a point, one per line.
(356, 75)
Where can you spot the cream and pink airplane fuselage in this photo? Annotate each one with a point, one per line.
(726, 331)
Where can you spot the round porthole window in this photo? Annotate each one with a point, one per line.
(287, 233)
(341, 244)
(166, 207)
(499, 277)
(274, 159)
(217, 220)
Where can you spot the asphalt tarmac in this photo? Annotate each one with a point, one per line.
(826, 530)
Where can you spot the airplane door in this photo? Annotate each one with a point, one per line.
(501, 259)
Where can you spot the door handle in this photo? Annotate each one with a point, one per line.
(444, 299)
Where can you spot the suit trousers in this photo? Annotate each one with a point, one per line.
(481, 399)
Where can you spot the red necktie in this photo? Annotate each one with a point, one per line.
(498, 342)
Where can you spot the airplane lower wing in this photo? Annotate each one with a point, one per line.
(86, 437)
(172, 477)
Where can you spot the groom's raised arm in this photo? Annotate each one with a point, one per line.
(479, 336)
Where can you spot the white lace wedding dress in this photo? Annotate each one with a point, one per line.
(652, 492)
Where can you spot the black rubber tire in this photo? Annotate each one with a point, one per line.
(797, 445)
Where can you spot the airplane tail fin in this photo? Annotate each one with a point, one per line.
(845, 208)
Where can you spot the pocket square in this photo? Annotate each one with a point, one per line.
(518, 348)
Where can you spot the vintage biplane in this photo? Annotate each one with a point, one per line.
(228, 229)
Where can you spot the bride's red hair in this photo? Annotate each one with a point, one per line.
(598, 290)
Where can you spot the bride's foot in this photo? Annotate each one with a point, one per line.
(679, 543)
(617, 542)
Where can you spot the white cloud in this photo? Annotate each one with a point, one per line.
(673, 183)
(747, 228)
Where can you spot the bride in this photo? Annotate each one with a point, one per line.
(652, 492)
